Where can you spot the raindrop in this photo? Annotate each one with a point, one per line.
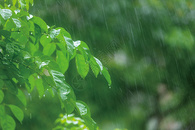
(110, 87)
(44, 95)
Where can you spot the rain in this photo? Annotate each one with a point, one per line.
(148, 48)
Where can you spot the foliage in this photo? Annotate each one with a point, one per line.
(71, 122)
(34, 55)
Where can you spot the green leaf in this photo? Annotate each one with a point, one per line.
(17, 22)
(21, 4)
(64, 32)
(82, 66)
(24, 29)
(51, 92)
(77, 44)
(85, 114)
(82, 108)
(37, 33)
(94, 66)
(19, 36)
(31, 80)
(27, 5)
(21, 13)
(31, 26)
(84, 45)
(21, 97)
(62, 48)
(59, 80)
(45, 40)
(14, 2)
(1, 96)
(65, 92)
(99, 63)
(40, 87)
(70, 46)
(106, 75)
(5, 13)
(62, 61)
(91, 124)
(68, 99)
(33, 48)
(83, 49)
(41, 23)
(53, 66)
(1, 83)
(9, 24)
(31, 1)
(18, 113)
(8, 123)
(54, 33)
(65, 39)
(49, 49)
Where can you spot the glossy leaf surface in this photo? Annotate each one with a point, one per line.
(82, 66)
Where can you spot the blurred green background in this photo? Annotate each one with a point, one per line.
(148, 48)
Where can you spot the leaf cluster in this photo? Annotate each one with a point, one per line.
(34, 55)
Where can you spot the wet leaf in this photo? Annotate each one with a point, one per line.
(83, 108)
(17, 22)
(99, 63)
(5, 13)
(40, 22)
(54, 33)
(65, 92)
(62, 61)
(95, 66)
(86, 115)
(70, 46)
(106, 75)
(82, 66)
